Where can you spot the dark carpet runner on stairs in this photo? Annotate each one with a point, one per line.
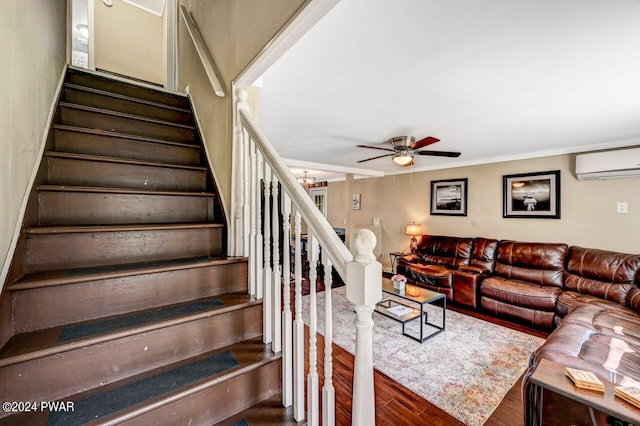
(117, 399)
(137, 319)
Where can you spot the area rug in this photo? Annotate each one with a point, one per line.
(466, 370)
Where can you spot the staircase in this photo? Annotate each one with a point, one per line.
(120, 297)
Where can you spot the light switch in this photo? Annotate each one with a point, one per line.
(622, 207)
(376, 221)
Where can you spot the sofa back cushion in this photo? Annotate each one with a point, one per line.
(537, 263)
(448, 251)
(484, 253)
(605, 274)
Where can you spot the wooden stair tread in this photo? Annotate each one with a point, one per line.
(119, 160)
(125, 115)
(122, 135)
(251, 354)
(70, 229)
(44, 343)
(269, 412)
(70, 276)
(109, 190)
(125, 97)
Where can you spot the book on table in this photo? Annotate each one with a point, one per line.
(400, 310)
(631, 394)
(584, 379)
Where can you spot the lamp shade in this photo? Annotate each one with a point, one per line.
(402, 159)
(414, 229)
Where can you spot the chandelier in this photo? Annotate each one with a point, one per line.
(306, 180)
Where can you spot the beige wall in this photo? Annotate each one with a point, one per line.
(588, 208)
(129, 41)
(32, 51)
(234, 31)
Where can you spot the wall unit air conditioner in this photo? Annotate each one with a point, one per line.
(608, 164)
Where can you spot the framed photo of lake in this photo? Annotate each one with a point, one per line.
(532, 195)
(449, 197)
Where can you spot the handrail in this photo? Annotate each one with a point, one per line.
(329, 240)
(207, 60)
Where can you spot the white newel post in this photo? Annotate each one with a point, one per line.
(239, 173)
(364, 290)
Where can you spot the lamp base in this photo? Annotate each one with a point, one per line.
(414, 244)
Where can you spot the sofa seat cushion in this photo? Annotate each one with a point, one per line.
(569, 300)
(601, 339)
(433, 275)
(520, 293)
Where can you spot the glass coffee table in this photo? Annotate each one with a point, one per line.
(408, 305)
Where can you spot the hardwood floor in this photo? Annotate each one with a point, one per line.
(397, 405)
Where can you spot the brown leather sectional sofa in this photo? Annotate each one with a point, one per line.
(591, 297)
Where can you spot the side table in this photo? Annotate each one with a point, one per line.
(393, 256)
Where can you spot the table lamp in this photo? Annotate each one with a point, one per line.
(413, 229)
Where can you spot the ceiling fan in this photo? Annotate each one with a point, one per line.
(405, 147)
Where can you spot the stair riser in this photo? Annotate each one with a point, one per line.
(122, 105)
(97, 120)
(128, 90)
(74, 208)
(66, 304)
(86, 143)
(87, 249)
(63, 171)
(212, 404)
(87, 367)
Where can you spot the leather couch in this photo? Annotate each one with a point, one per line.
(598, 330)
(432, 264)
(526, 283)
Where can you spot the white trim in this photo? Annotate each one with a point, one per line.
(213, 172)
(146, 9)
(332, 168)
(171, 45)
(91, 49)
(69, 30)
(304, 19)
(32, 179)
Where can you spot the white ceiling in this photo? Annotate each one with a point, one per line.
(494, 79)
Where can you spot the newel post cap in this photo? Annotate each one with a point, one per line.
(364, 274)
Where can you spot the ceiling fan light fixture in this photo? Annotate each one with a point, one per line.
(402, 159)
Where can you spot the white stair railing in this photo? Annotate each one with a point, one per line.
(273, 197)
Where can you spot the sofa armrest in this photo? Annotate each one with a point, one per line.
(466, 285)
(411, 258)
(473, 269)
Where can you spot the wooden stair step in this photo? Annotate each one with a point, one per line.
(106, 190)
(91, 170)
(255, 376)
(99, 81)
(121, 103)
(54, 298)
(112, 144)
(98, 118)
(269, 412)
(40, 357)
(106, 159)
(64, 247)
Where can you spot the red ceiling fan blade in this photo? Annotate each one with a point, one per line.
(374, 158)
(439, 153)
(424, 142)
(375, 147)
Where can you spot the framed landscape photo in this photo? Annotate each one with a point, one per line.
(532, 195)
(449, 197)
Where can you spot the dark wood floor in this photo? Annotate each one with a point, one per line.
(397, 405)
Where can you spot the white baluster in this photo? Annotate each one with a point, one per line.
(253, 214)
(259, 265)
(364, 290)
(287, 325)
(298, 325)
(328, 392)
(313, 407)
(238, 183)
(276, 282)
(267, 304)
(246, 213)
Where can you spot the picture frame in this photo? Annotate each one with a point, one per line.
(356, 201)
(531, 195)
(449, 197)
